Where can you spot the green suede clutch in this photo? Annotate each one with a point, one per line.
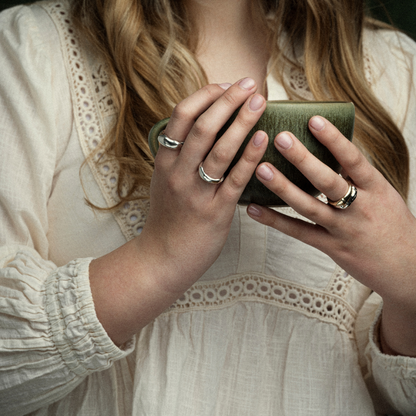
(281, 116)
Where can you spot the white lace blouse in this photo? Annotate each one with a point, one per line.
(273, 328)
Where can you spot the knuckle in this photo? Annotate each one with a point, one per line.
(301, 158)
(355, 161)
(330, 182)
(250, 158)
(280, 188)
(336, 135)
(172, 183)
(180, 111)
(230, 100)
(211, 90)
(237, 182)
(244, 121)
(200, 128)
(312, 211)
(220, 155)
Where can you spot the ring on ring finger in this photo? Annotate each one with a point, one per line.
(206, 177)
(347, 199)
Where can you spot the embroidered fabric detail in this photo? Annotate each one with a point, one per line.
(299, 83)
(327, 307)
(340, 283)
(92, 101)
(103, 91)
(367, 66)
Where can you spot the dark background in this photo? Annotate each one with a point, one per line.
(401, 12)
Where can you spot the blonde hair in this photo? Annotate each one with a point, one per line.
(149, 46)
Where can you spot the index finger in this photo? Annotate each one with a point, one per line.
(187, 111)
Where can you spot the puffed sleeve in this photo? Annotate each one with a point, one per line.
(391, 379)
(50, 337)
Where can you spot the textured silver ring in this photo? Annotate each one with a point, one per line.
(347, 199)
(206, 177)
(166, 141)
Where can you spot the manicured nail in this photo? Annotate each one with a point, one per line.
(284, 141)
(256, 102)
(258, 138)
(254, 210)
(265, 172)
(317, 123)
(247, 83)
(225, 85)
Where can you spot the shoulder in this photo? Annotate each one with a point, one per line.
(27, 24)
(391, 51)
(390, 63)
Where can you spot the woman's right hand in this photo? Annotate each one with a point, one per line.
(189, 219)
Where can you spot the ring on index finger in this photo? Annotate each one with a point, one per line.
(166, 141)
(347, 199)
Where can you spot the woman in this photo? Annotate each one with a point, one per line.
(202, 311)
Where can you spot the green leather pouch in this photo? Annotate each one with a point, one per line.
(281, 116)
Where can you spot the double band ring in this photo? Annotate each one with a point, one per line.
(206, 177)
(166, 141)
(347, 199)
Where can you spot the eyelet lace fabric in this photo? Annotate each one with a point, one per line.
(326, 306)
(93, 107)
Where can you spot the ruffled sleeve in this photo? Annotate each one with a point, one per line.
(50, 337)
(391, 380)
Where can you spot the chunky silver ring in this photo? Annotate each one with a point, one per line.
(166, 141)
(206, 177)
(347, 199)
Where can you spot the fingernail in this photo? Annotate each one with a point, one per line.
(247, 83)
(317, 123)
(225, 85)
(256, 102)
(254, 210)
(258, 138)
(265, 172)
(284, 141)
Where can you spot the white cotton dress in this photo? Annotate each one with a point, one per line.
(274, 327)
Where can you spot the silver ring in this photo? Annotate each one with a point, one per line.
(347, 199)
(166, 141)
(206, 177)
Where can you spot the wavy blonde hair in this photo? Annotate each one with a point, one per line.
(148, 46)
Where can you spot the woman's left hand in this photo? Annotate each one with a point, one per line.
(374, 239)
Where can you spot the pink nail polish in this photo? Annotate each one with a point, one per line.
(254, 210)
(225, 85)
(256, 102)
(258, 138)
(265, 172)
(247, 83)
(317, 123)
(284, 141)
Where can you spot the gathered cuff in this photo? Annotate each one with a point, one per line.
(83, 343)
(400, 366)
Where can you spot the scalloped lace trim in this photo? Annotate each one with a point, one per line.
(256, 287)
(93, 104)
